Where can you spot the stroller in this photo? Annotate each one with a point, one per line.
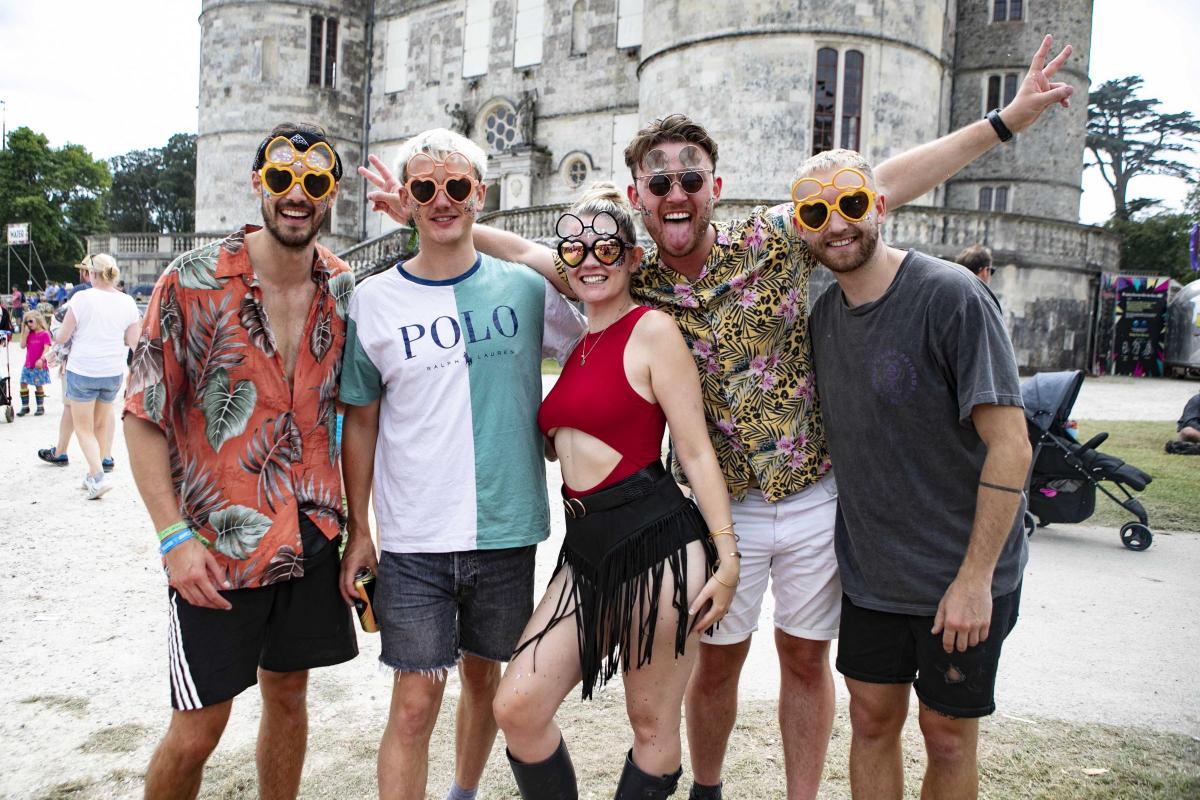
(1066, 474)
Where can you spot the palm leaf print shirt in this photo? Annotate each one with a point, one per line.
(745, 319)
(249, 453)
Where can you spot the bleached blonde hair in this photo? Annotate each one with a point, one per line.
(439, 143)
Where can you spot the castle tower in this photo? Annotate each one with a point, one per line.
(770, 81)
(263, 63)
(1040, 171)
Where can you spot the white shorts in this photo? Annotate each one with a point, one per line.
(791, 542)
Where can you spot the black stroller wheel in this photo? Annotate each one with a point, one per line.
(1136, 536)
(1031, 524)
(8, 414)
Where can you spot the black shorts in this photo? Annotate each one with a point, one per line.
(1191, 414)
(879, 647)
(284, 627)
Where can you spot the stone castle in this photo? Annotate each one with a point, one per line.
(554, 89)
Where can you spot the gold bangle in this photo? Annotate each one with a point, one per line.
(734, 585)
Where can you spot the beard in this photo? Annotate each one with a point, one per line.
(294, 238)
(848, 259)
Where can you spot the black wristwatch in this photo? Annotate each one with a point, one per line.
(998, 125)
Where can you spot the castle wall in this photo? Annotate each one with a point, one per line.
(254, 66)
(1044, 166)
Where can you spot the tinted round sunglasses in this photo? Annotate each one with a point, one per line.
(457, 183)
(854, 202)
(279, 175)
(608, 247)
(690, 178)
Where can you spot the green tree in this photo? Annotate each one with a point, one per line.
(153, 191)
(1129, 136)
(58, 191)
(1156, 244)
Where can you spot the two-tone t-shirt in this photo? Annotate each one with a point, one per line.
(456, 365)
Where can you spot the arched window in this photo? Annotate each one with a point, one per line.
(579, 29)
(852, 81)
(435, 59)
(824, 99)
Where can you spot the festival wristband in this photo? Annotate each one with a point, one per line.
(1000, 488)
(174, 541)
(174, 527)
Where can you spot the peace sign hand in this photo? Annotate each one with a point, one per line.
(387, 199)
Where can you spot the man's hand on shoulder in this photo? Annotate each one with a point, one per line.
(193, 572)
(1038, 92)
(964, 614)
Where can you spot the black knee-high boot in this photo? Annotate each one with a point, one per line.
(552, 779)
(637, 785)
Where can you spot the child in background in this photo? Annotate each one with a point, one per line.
(35, 339)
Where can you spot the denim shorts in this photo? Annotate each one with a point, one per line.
(82, 389)
(432, 608)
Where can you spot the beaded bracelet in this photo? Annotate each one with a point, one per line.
(174, 540)
(174, 527)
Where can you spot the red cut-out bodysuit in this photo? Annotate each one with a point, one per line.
(596, 398)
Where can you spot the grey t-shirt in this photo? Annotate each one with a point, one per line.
(898, 378)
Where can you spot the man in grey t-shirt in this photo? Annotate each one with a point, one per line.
(922, 409)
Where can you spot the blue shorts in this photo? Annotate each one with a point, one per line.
(434, 607)
(82, 389)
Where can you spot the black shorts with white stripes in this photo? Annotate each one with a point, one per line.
(294, 625)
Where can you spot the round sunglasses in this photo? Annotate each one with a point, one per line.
(660, 183)
(457, 183)
(608, 247)
(279, 175)
(854, 202)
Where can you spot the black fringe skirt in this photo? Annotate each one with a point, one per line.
(620, 542)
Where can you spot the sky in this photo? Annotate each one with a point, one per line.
(121, 75)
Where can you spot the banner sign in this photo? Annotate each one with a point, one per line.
(1139, 324)
(18, 233)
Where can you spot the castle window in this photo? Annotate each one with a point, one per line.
(527, 36)
(476, 34)
(1001, 89)
(993, 198)
(322, 51)
(579, 31)
(629, 23)
(852, 81)
(825, 100)
(395, 76)
(1008, 10)
(837, 100)
(500, 128)
(574, 171)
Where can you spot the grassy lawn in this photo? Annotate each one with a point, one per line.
(1173, 499)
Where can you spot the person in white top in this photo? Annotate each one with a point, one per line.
(101, 324)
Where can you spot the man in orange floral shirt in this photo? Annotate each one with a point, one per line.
(231, 425)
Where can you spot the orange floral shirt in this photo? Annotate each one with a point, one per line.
(249, 454)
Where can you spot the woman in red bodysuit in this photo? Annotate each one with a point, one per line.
(633, 587)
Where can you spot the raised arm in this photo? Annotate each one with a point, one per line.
(911, 174)
(676, 387)
(965, 611)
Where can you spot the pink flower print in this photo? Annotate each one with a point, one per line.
(711, 366)
(768, 380)
(729, 429)
(786, 445)
(748, 299)
(805, 389)
(703, 348)
(723, 238)
(684, 292)
(755, 237)
(738, 283)
(789, 308)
